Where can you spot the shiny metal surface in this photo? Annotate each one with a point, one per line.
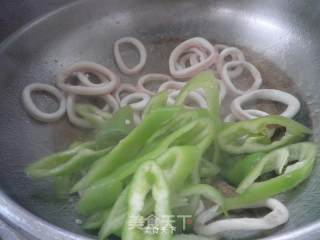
(281, 37)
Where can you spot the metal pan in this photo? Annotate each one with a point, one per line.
(280, 37)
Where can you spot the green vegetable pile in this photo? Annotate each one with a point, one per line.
(162, 166)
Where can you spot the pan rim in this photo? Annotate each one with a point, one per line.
(22, 220)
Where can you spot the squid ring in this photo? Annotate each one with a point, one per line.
(236, 55)
(137, 101)
(293, 104)
(190, 71)
(84, 79)
(124, 87)
(220, 47)
(142, 52)
(194, 56)
(253, 112)
(34, 111)
(109, 80)
(110, 102)
(171, 86)
(279, 215)
(253, 70)
(152, 77)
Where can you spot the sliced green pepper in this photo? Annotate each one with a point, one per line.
(114, 221)
(103, 199)
(149, 177)
(81, 160)
(235, 169)
(156, 102)
(187, 135)
(113, 130)
(180, 159)
(81, 155)
(63, 162)
(277, 161)
(96, 220)
(128, 148)
(205, 81)
(208, 169)
(260, 135)
(304, 153)
(177, 164)
(92, 114)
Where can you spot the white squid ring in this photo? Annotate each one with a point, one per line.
(293, 104)
(110, 102)
(278, 216)
(132, 98)
(142, 52)
(253, 70)
(193, 96)
(236, 55)
(124, 87)
(84, 79)
(222, 90)
(253, 112)
(196, 42)
(152, 77)
(220, 47)
(171, 86)
(34, 111)
(80, 122)
(194, 56)
(109, 82)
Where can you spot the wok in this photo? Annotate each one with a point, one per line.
(281, 37)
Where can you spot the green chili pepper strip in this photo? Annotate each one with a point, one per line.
(113, 130)
(277, 161)
(194, 200)
(149, 177)
(127, 169)
(92, 114)
(207, 82)
(82, 159)
(180, 159)
(234, 170)
(156, 102)
(103, 199)
(128, 148)
(208, 169)
(177, 164)
(47, 166)
(305, 153)
(96, 220)
(256, 135)
(114, 222)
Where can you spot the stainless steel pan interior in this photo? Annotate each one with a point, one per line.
(280, 37)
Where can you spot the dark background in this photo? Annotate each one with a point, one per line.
(16, 13)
